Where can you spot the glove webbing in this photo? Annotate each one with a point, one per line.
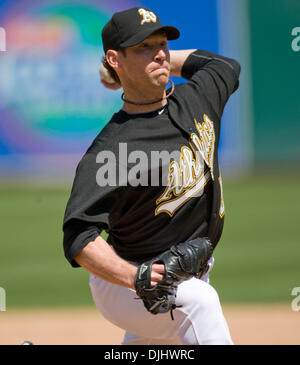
(158, 303)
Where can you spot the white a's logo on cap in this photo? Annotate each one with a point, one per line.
(148, 16)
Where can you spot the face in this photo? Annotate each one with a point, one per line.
(147, 63)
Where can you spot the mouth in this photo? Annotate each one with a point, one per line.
(161, 69)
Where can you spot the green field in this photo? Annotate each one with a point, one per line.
(257, 259)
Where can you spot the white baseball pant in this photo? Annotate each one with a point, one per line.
(199, 320)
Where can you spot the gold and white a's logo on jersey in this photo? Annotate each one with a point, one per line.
(188, 176)
(148, 16)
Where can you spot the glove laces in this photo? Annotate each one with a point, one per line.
(174, 306)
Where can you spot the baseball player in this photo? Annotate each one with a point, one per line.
(151, 180)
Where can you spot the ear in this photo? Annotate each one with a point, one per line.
(113, 58)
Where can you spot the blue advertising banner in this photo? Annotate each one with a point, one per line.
(52, 104)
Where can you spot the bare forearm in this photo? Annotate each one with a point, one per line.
(177, 59)
(100, 259)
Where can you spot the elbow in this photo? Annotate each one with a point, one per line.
(85, 251)
(236, 67)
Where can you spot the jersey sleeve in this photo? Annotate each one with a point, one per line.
(214, 75)
(87, 210)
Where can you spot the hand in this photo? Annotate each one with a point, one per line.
(106, 80)
(157, 273)
(158, 295)
(114, 86)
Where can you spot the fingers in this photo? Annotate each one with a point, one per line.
(114, 86)
(157, 273)
(106, 79)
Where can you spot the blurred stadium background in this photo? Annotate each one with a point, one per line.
(52, 106)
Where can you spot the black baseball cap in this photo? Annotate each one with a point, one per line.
(130, 27)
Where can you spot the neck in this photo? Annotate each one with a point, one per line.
(133, 109)
(138, 103)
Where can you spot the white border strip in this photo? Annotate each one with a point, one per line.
(234, 42)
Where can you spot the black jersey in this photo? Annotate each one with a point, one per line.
(152, 180)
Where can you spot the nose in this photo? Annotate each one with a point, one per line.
(160, 55)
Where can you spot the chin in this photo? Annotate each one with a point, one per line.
(162, 80)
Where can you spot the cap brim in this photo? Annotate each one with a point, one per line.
(172, 33)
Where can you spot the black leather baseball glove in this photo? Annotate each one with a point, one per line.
(182, 261)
